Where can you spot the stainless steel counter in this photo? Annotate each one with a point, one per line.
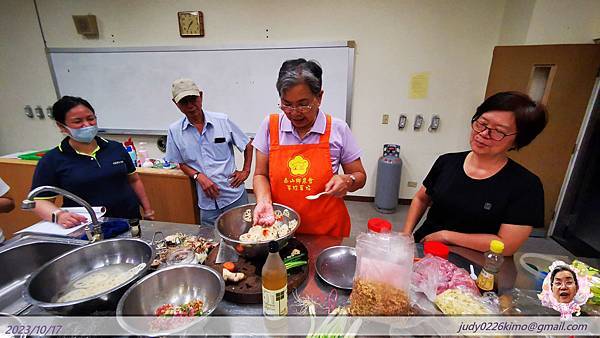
(313, 287)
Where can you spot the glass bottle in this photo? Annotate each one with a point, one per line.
(488, 277)
(274, 284)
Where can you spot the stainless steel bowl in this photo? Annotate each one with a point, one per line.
(230, 225)
(45, 284)
(336, 266)
(176, 284)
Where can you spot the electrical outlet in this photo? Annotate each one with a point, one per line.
(385, 119)
(412, 184)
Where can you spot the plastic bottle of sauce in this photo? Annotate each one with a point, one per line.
(488, 277)
(274, 284)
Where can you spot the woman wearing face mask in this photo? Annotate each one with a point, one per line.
(98, 170)
(480, 195)
(300, 152)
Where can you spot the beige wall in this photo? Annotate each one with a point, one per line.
(451, 39)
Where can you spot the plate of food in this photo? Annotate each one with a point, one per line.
(172, 249)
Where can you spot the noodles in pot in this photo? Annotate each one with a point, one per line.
(98, 282)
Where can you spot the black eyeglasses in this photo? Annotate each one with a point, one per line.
(495, 134)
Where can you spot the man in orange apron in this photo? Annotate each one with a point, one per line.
(299, 153)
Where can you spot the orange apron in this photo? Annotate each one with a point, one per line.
(296, 171)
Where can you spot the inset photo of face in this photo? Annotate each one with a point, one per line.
(564, 284)
(565, 289)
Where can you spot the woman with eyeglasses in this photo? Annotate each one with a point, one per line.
(98, 170)
(299, 153)
(480, 195)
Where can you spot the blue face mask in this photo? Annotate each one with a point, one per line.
(83, 135)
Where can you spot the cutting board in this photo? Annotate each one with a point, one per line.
(249, 290)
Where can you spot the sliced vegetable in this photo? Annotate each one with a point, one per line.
(229, 266)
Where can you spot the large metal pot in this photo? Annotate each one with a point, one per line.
(43, 286)
(177, 285)
(230, 225)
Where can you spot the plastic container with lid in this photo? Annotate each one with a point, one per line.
(379, 225)
(142, 154)
(436, 248)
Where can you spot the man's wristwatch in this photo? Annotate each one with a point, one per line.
(55, 214)
(195, 176)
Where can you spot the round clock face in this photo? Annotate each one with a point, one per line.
(189, 24)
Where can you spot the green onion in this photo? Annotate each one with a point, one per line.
(293, 258)
(294, 264)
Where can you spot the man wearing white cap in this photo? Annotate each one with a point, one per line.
(202, 143)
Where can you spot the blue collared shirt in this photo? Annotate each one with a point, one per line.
(209, 152)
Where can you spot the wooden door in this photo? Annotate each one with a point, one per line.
(571, 76)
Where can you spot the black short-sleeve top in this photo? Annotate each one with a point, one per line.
(101, 178)
(513, 195)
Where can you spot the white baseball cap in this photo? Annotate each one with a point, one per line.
(182, 88)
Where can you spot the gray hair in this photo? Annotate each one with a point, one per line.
(293, 72)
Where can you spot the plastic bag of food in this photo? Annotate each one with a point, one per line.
(460, 302)
(433, 275)
(381, 284)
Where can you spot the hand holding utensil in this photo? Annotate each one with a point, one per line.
(314, 197)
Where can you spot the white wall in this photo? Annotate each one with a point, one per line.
(24, 80)
(451, 39)
(537, 22)
(515, 24)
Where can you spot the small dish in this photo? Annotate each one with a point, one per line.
(181, 256)
(336, 266)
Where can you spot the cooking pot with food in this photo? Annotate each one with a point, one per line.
(234, 226)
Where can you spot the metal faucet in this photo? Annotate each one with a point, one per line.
(93, 230)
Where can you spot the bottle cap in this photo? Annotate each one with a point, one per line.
(496, 246)
(436, 249)
(273, 246)
(379, 225)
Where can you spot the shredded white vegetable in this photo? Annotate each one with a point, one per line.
(457, 302)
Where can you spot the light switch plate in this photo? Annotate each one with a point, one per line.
(28, 111)
(435, 123)
(418, 122)
(39, 112)
(402, 121)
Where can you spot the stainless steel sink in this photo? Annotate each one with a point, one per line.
(20, 258)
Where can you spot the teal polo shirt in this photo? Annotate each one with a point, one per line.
(100, 178)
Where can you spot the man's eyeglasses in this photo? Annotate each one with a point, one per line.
(495, 134)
